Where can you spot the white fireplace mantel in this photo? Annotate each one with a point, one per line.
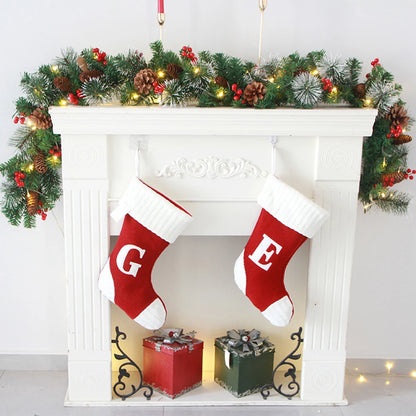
(213, 162)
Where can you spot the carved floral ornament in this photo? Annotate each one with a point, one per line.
(212, 167)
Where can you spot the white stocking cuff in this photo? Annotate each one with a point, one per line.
(291, 208)
(154, 211)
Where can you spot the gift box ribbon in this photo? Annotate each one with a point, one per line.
(242, 340)
(172, 335)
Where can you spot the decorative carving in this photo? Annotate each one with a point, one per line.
(212, 167)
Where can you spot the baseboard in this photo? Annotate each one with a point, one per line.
(34, 362)
(380, 366)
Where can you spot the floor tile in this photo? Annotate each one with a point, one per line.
(29, 393)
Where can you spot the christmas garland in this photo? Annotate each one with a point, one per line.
(32, 182)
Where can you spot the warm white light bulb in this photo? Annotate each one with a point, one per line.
(361, 379)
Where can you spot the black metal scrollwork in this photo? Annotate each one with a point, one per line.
(293, 386)
(120, 386)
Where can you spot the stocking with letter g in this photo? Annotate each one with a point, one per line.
(286, 220)
(151, 222)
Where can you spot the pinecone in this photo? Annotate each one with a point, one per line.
(221, 81)
(402, 139)
(62, 83)
(398, 115)
(174, 70)
(39, 162)
(390, 179)
(82, 63)
(359, 91)
(143, 81)
(299, 71)
(41, 119)
(85, 76)
(254, 92)
(32, 199)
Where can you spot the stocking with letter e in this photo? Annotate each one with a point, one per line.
(287, 219)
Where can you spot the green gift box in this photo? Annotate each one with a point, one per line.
(243, 362)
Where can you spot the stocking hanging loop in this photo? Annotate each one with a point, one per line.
(273, 141)
(137, 143)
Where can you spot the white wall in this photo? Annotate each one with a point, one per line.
(32, 291)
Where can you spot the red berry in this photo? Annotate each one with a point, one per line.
(389, 135)
(243, 101)
(40, 203)
(414, 171)
(16, 120)
(154, 84)
(22, 175)
(95, 50)
(51, 151)
(44, 216)
(406, 176)
(411, 177)
(234, 87)
(189, 49)
(367, 75)
(409, 170)
(236, 97)
(192, 55)
(239, 92)
(39, 211)
(183, 53)
(184, 48)
(22, 120)
(59, 154)
(105, 63)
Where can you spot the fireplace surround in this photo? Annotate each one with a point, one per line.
(214, 163)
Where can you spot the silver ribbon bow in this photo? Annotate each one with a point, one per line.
(245, 339)
(172, 335)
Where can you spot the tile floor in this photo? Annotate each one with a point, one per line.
(41, 393)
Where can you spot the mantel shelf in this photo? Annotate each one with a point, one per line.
(106, 119)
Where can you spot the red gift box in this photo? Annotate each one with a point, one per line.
(171, 367)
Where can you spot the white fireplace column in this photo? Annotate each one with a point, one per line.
(96, 141)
